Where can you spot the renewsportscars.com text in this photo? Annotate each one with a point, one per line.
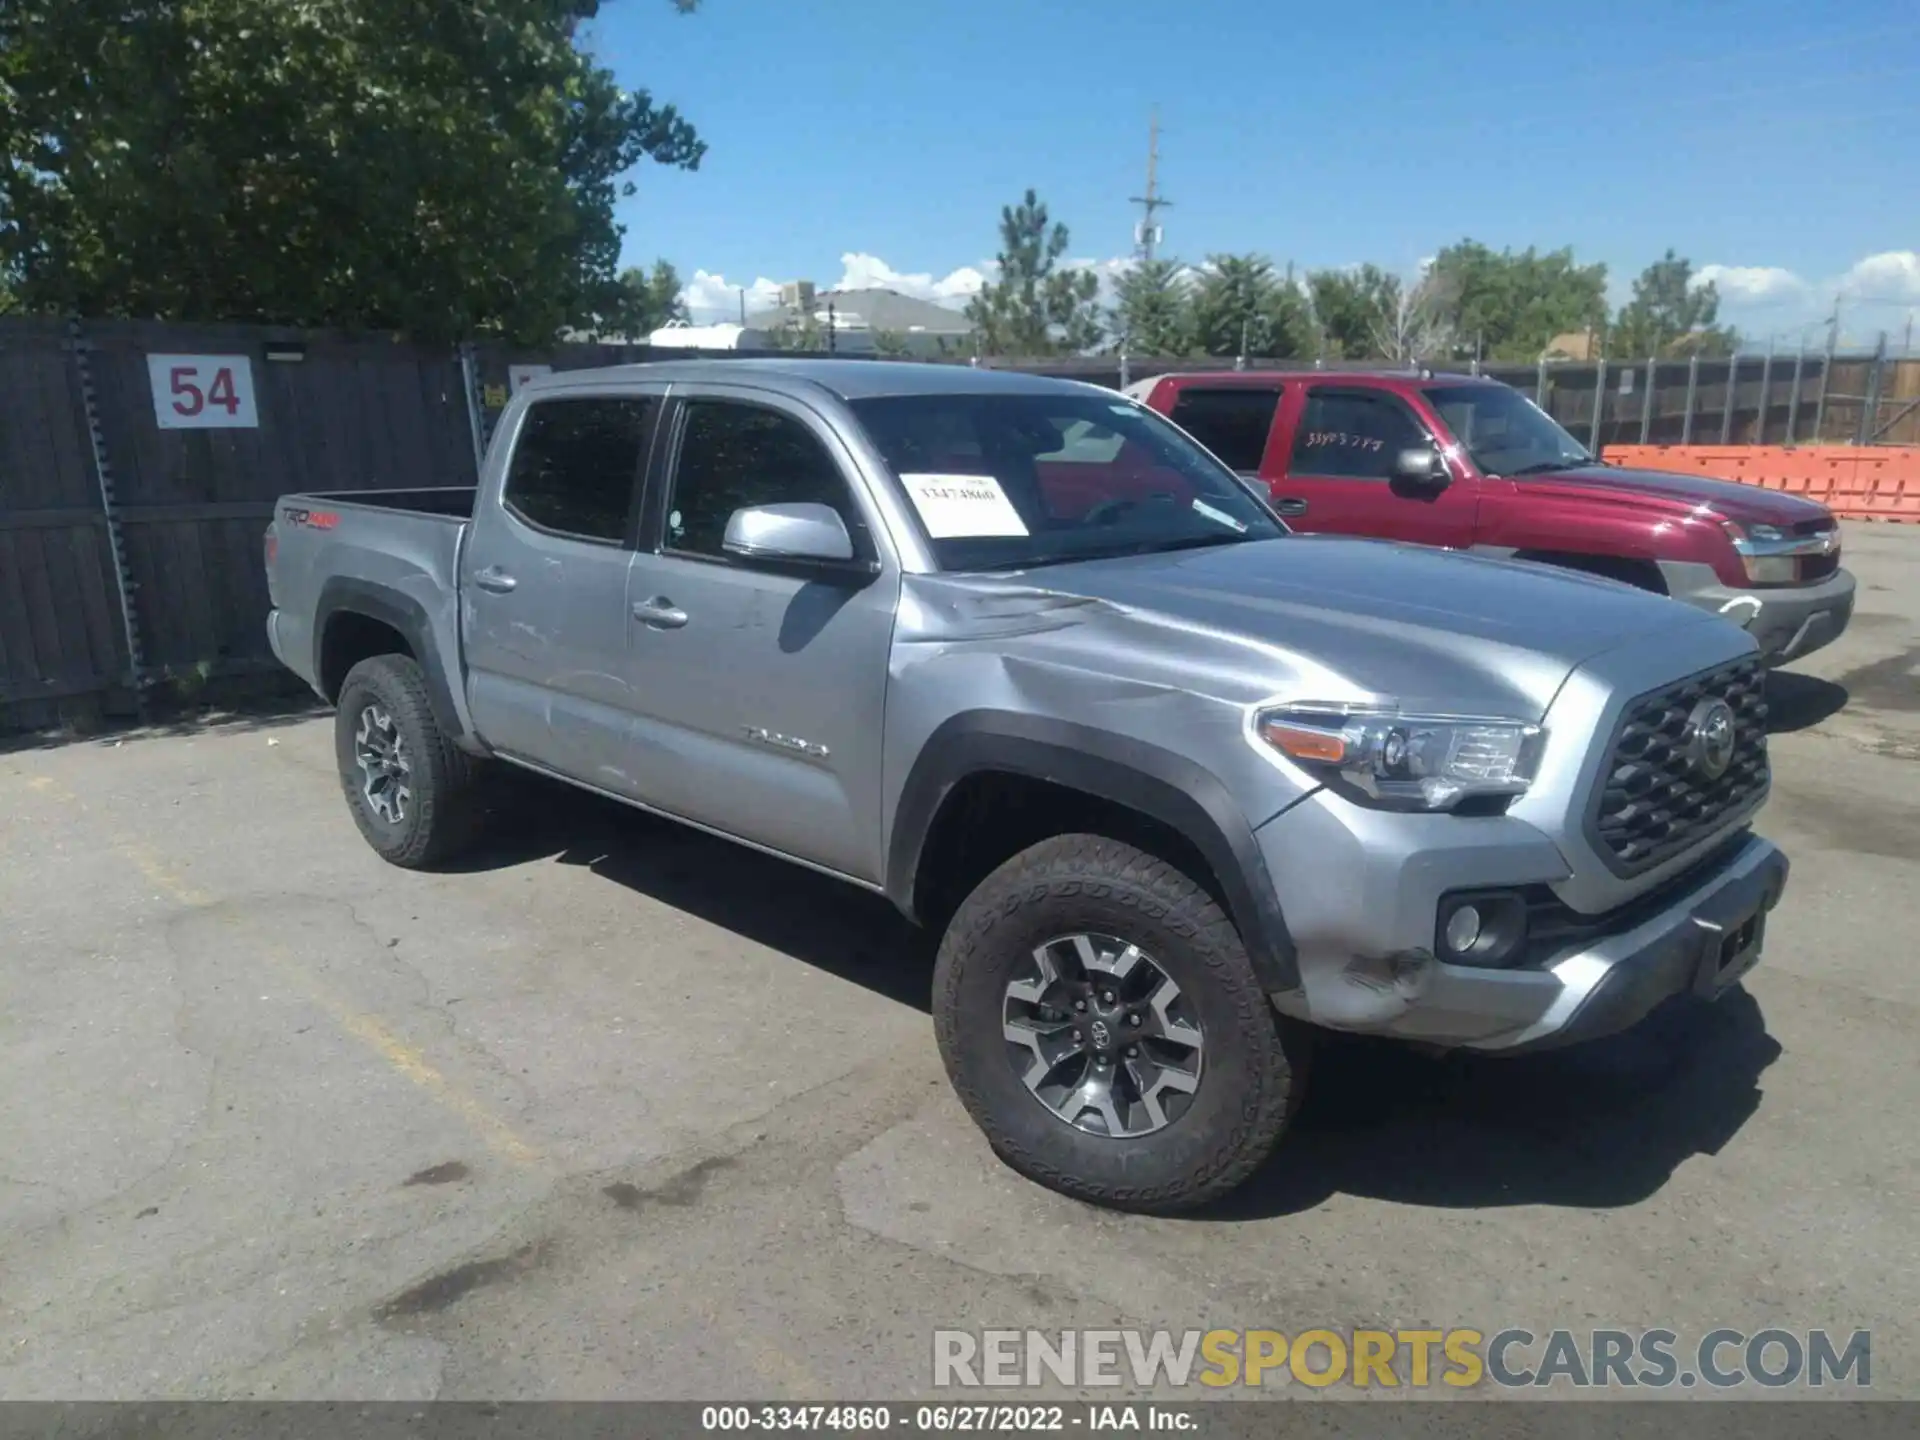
(1461, 1358)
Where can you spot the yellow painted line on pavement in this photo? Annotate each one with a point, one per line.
(409, 1063)
(495, 1133)
(773, 1364)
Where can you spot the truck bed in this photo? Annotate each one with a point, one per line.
(323, 547)
(456, 500)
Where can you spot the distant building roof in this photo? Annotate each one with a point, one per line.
(1574, 345)
(877, 310)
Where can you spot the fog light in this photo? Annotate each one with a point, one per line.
(1463, 928)
(1487, 927)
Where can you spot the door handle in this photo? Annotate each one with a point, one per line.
(495, 579)
(1290, 505)
(659, 613)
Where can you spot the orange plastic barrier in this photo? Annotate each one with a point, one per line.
(1859, 482)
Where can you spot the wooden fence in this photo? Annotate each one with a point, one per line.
(130, 552)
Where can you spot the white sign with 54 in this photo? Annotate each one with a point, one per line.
(202, 392)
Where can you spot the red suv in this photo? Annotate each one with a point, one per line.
(1470, 464)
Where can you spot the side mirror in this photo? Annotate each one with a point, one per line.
(1421, 467)
(804, 533)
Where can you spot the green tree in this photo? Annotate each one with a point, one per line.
(1508, 306)
(1035, 305)
(396, 164)
(1669, 312)
(1242, 306)
(1153, 310)
(644, 301)
(1349, 307)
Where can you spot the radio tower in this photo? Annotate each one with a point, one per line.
(1146, 235)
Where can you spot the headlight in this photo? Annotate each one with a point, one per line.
(1771, 569)
(1767, 553)
(1414, 762)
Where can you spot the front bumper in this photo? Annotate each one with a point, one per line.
(1787, 622)
(1364, 938)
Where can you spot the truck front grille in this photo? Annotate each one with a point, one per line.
(1655, 799)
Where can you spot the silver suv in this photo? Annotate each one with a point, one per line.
(1177, 786)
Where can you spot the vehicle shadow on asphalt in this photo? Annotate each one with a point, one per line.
(1800, 702)
(822, 922)
(1594, 1126)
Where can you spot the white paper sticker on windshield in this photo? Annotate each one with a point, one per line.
(1219, 517)
(963, 506)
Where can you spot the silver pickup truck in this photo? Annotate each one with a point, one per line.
(1178, 787)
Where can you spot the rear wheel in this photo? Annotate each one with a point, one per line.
(411, 789)
(1099, 1017)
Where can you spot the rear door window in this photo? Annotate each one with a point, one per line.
(1232, 423)
(576, 465)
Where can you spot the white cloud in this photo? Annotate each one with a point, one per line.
(709, 296)
(1893, 276)
(1751, 284)
(861, 271)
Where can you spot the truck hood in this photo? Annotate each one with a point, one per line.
(1345, 619)
(1746, 504)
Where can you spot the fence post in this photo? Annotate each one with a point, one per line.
(1726, 410)
(1766, 394)
(1826, 381)
(1599, 404)
(116, 538)
(1693, 386)
(1646, 400)
(1540, 384)
(1793, 395)
(1870, 407)
(470, 382)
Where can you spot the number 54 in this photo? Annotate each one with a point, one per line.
(189, 399)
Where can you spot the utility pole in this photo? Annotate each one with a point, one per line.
(1146, 235)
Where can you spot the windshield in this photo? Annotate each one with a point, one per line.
(1009, 481)
(1504, 432)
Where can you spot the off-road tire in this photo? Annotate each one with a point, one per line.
(1087, 883)
(444, 812)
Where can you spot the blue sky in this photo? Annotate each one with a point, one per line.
(1776, 140)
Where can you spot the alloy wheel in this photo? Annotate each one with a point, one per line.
(1102, 1036)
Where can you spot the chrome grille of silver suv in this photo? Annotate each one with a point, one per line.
(1655, 800)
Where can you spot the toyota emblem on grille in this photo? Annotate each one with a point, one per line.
(1710, 738)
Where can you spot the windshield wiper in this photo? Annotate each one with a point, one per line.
(1188, 542)
(1145, 547)
(1541, 467)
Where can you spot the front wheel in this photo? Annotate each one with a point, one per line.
(1098, 1015)
(411, 789)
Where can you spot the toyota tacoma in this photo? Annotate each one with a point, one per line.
(1176, 787)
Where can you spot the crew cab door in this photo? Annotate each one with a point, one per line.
(543, 587)
(1236, 422)
(1341, 442)
(764, 684)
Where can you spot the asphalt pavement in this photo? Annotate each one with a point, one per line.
(617, 1110)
